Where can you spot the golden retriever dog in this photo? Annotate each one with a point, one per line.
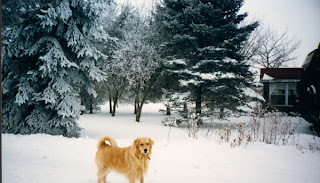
(131, 161)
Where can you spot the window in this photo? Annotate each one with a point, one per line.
(278, 94)
(282, 94)
(292, 93)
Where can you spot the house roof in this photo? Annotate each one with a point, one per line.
(281, 73)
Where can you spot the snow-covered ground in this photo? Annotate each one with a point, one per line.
(176, 157)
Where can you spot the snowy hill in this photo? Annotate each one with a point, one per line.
(176, 157)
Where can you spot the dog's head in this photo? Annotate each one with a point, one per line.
(143, 145)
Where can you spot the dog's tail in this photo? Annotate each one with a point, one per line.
(102, 142)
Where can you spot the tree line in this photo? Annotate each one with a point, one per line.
(59, 56)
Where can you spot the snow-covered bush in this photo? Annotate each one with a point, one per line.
(171, 121)
(242, 135)
(271, 127)
(278, 128)
(224, 133)
(315, 145)
(193, 124)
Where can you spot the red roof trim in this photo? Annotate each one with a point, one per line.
(282, 73)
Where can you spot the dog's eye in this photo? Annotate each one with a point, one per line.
(141, 144)
(147, 144)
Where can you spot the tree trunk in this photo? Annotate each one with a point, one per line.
(110, 104)
(115, 102)
(81, 102)
(168, 110)
(198, 100)
(138, 115)
(91, 107)
(185, 110)
(136, 105)
(221, 113)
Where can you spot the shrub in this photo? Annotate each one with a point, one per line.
(276, 128)
(171, 121)
(224, 133)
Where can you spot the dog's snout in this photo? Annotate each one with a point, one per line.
(145, 150)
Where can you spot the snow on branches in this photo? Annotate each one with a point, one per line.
(50, 58)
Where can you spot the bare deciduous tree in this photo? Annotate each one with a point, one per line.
(268, 48)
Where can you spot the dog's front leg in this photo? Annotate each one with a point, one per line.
(141, 178)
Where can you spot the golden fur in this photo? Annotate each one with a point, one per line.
(131, 161)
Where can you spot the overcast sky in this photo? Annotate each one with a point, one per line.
(301, 18)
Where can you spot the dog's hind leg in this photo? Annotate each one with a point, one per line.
(104, 177)
(101, 176)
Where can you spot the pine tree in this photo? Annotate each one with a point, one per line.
(308, 89)
(47, 59)
(202, 43)
(13, 9)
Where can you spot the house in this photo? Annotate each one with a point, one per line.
(280, 86)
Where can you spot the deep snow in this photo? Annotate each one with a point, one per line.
(176, 157)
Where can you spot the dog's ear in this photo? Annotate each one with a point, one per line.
(136, 142)
(151, 142)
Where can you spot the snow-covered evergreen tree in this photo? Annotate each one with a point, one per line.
(46, 60)
(202, 39)
(308, 89)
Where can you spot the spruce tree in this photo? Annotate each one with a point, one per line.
(202, 39)
(308, 89)
(47, 59)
